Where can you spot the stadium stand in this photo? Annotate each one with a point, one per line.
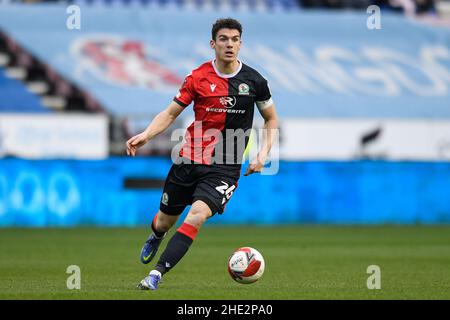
(38, 79)
(418, 7)
(222, 5)
(131, 74)
(14, 96)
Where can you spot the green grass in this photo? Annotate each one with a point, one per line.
(302, 262)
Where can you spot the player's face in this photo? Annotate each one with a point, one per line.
(227, 44)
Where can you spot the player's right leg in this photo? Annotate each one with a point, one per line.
(176, 196)
(160, 226)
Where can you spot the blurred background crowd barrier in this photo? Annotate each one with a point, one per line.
(364, 113)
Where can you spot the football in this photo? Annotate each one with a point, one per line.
(246, 265)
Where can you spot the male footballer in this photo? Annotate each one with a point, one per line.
(205, 175)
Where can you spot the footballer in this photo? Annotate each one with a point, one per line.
(224, 92)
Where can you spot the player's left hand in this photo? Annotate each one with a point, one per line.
(254, 166)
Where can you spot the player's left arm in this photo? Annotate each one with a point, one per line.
(270, 133)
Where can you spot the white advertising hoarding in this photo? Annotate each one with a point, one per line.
(38, 136)
(346, 139)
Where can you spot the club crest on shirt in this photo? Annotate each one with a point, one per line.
(244, 88)
(165, 199)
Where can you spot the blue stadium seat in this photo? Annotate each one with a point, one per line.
(217, 4)
(14, 97)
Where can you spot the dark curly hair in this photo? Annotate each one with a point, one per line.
(227, 23)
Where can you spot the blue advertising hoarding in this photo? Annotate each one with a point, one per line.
(73, 193)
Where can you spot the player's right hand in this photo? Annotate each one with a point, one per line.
(136, 142)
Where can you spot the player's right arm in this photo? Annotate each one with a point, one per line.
(159, 124)
(164, 119)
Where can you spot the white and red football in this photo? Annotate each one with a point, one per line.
(246, 265)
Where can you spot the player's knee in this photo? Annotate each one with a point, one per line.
(197, 217)
(164, 222)
(162, 226)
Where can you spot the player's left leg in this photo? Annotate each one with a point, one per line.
(177, 194)
(179, 243)
(185, 235)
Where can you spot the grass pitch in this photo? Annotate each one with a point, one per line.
(302, 262)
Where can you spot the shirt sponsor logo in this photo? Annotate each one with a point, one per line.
(228, 102)
(225, 110)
